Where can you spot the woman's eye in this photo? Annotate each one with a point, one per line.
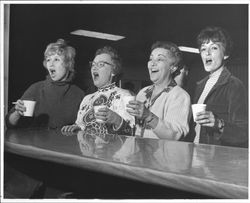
(159, 59)
(202, 49)
(214, 48)
(101, 64)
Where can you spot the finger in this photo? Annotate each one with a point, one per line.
(133, 102)
(66, 128)
(20, 108)
(101, 114)
(207, 124)
(201, 113)
(103, 109)
(74, 128)
(63, 128)
(20, 102)
(203, 121)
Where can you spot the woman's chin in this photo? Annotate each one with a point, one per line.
(97, 84)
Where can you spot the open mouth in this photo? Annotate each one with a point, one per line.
(154, 70)
(52, 72)
(95, 75)
(208, 61)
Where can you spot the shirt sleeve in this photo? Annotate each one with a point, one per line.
(175, 122)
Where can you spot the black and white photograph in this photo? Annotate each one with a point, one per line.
(124, 101)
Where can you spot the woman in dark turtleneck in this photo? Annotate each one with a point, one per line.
(57, 99)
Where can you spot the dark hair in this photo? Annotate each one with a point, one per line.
(60, 47)
(174, 51)
(215, 34)
(117, 70)
(114, 57)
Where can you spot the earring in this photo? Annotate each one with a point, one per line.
(173, 69)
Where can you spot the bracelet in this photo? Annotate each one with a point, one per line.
(221, 124)
(151, 117)
(116, 129)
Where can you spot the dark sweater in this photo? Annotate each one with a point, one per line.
(57, 104)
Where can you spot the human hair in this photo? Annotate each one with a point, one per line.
(174, 51)
(215, 34)
(61, 48)
(114, 57)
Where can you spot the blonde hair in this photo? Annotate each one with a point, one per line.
(61, 48)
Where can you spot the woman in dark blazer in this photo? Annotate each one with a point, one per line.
(225, 120)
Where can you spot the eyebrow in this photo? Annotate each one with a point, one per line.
(159, 55)
(217, 43)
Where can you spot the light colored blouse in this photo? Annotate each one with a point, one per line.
(173, 108)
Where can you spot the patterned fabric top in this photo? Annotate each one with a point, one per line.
(112, 97)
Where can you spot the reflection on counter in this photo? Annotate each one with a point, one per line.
(168, 155)
(99, 146)
(128, 151)
(157, 154)
(174, 155)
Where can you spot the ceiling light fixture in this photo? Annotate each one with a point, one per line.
(189, 49)
(98, 35)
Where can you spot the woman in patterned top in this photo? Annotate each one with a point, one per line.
(163, 109)
(104, 69)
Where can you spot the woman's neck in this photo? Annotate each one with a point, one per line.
(159, 87)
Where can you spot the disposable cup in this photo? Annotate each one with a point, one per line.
(196, 108)
(96, 109)
(127, 99)
(30, 106)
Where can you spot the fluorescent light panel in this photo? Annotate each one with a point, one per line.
(189, 49)
(98, 35)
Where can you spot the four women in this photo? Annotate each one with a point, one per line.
(161, 110)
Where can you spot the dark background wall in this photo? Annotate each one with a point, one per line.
(34, 26)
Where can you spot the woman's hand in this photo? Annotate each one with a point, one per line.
(207, 118)
(70, 128)
(19, 107)
(108, 116)
(138, 109)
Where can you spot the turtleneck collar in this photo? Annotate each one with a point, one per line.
(67, 81)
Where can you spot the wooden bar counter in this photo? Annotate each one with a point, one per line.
(211, 170)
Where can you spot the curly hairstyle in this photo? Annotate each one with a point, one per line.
(61, 48)
(215, 34)
(174, 51)
(114, 57)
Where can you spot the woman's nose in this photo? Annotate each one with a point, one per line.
(208, 52)
(152, 63)
(50, 63)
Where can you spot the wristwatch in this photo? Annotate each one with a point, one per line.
(221, 124)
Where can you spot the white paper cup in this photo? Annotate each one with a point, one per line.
(126, 100)
(196, 108)
(96, 109)
(30, 106)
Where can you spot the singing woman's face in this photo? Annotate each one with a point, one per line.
(102, 70)
(159, 65)
(56, 67)
(212, 55)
